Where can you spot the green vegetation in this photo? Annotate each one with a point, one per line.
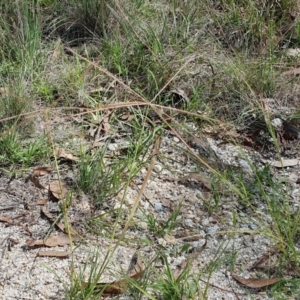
(108, 80)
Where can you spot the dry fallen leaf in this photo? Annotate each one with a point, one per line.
(41, 171)
(58, 240)
(38, 172)
(36, 182)
(53, 253)
(58, 188)
(53, 241)
(256, 283)
(62, 154)
(33, 243)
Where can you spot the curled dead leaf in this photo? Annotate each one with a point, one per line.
(41, 171)
(36, 182)
(58, 188)
(38, 172)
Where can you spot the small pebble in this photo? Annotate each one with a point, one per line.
(158, 207)
(112, 147)
(195, 244)
(252, 226)
(205, 222)
(189, 222)
(212, 229)
(157, 168)
(142, 225)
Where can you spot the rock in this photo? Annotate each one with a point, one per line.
(212, 229)
(112, 147)
(158, 207)
(157, 168)
(142, 225)
(189, 222)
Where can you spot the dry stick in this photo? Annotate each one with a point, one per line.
(20, 115)
(155, 107)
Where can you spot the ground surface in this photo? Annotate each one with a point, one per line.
(24, 275)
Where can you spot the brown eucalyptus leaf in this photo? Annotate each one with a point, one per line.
(53, 241)
(6, 219)
(57, 240)
(58, 189)
(33, 243)
(256, 283)
(53, 253)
